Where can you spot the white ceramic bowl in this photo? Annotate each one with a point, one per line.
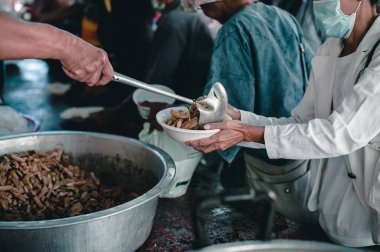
(181, 135)
(141, 95)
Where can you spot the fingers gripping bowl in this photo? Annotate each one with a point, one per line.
(180, 134)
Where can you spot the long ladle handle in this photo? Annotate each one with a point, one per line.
(139, 84)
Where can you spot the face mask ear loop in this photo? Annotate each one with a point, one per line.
(360, 3)
(340, 9)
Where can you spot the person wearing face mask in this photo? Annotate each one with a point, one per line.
(336, 126)
(303, 11)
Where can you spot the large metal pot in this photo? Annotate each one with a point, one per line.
(278, 246)
(144, 169)
(267, 199)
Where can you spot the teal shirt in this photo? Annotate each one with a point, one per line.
(257, 58)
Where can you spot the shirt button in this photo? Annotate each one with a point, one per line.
(351, 175)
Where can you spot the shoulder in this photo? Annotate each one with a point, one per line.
(260, 23)
(261, 18)
(179, 19)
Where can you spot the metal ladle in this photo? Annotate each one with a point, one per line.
(212, 108)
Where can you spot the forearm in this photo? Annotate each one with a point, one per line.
(233, 112)
(80, 60)
(254, 134)
(351, 126)
(258, 120)
(32, 40)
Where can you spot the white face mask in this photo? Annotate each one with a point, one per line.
(331, 20)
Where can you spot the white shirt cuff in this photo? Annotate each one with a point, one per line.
(271, 142)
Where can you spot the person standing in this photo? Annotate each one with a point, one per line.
(181, 51)
(336, 126)
(263, 61)
(179, 58)
(125, 32)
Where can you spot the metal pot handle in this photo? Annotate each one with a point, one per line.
(208, 203)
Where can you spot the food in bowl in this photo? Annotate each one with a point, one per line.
(45, 185)
(184, 119)
(181, 134)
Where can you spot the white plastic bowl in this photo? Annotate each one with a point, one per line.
(141, 95)
(181, 135)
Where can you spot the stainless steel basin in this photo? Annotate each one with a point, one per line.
(143, 168)
(278, 246)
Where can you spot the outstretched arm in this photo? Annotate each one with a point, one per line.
(80, 60)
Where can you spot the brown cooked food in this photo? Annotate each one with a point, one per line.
(44, 185)
(184, 119)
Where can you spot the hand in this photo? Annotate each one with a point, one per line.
(233, 112)
(86, 63)
(231, 133)
(80, 60)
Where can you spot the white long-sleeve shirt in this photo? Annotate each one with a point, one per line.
(337, 125)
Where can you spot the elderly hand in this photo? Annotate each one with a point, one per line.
(231, 133)
(81, 61)
(86, 63)
(233, 112)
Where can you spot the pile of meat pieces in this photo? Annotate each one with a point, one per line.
(43, 185)
(184, 120)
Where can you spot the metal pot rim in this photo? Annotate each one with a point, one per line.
(165, 180)
(277, 245)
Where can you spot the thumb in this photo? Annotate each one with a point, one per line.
(227, 117)
(207, 127)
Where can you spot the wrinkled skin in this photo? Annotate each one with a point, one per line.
(87, 64)
(231, 133)
(80, 60)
